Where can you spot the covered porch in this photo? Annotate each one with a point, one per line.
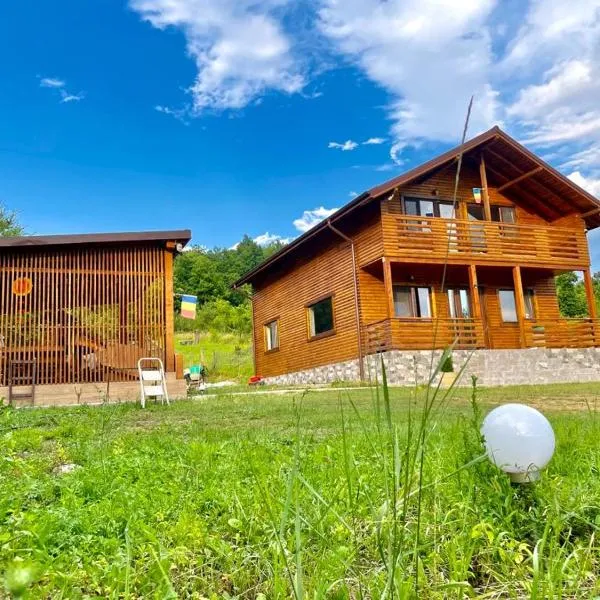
(495, 307)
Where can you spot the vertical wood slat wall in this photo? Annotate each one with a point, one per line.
(90, 314)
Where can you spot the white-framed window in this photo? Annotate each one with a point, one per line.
(272, 335)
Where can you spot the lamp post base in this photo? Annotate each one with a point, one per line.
(527, 477)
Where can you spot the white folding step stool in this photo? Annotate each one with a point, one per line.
(152, 380)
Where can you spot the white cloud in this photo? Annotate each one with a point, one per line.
(66, 97)
(266, 239)
(428, 55)
(240, 49)
(58, 86)
(374, 141)
(310, 218)
(178, 113)
(348, 145)
(352, 194)
(51, 82)
(587, 183)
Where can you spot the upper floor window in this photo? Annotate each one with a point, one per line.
(500, 214)
(320, 317)
(420, 207)
(272, 335)
(411, 301)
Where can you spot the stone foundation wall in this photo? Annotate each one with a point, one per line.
(492, 367)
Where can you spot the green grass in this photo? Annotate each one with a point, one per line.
(226, 356)
(310, 495)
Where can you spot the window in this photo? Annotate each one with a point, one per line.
(503, 214)
(272, 335)
(529, 304)
(499, 214)
(412, 301)
(458, 303)
(508, 306)
(320, 317)
(419, 207)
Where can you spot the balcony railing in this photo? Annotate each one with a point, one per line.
(483, 241)
(564, 333)
(425, 334)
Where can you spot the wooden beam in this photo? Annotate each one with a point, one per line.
(589, 213)
(538, 183)
(484, 190)
(388, 284)
(169, 313)
(520, 304)
(548, 212)
(474, 292)
(589, 292)
(519, 178)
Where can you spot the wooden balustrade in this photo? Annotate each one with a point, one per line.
(564, 333)
(483, 241)
(423, 334)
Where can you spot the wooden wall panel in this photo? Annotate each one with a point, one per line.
(89, 314)
(286, 300)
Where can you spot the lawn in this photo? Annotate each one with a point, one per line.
(226, 356)
(316, 495)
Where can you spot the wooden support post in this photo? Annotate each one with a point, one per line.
(387, 282)
(520, 304)
(476, 306)
(169, 314)
(589, 292)
(474, 292)
(484, 190)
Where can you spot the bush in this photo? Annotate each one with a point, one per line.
(447, 365)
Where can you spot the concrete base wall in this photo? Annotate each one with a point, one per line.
(93, 393)
(492, 367)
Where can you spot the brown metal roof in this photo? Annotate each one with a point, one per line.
(544, 188)
(182, 236)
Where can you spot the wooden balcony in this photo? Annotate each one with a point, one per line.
(424, 239)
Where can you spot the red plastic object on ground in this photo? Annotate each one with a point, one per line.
(255, 380)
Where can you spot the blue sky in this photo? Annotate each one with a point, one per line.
(251, 116)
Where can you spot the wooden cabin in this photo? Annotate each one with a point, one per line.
(401, 267)
(78, 311)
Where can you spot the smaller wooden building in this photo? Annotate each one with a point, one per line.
(78, 311)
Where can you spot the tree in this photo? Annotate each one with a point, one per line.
(9, 225)
(209, 275)
(572, 300)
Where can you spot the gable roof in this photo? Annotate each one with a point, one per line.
(182, 236)
(508, 163)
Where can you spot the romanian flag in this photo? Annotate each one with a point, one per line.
(477, 195)
(188, 306)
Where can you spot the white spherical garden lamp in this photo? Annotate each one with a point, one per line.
(519, 440)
